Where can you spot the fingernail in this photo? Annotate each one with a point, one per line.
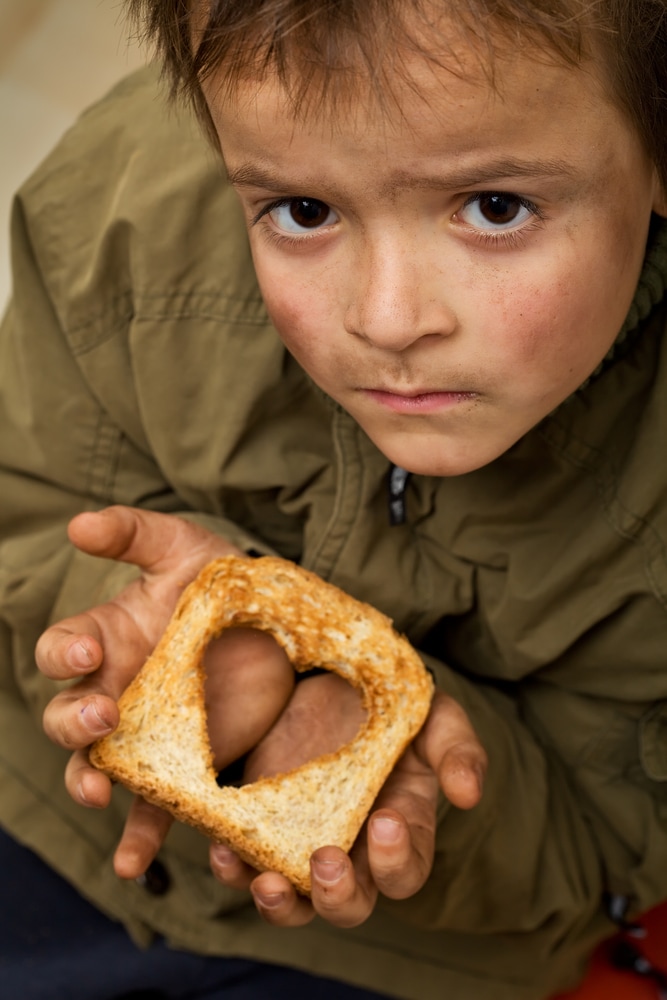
(222, 856)
(84, 798)
(94, 721)
(328, 872)
(385, 830)
(79, 656)
(270, 901)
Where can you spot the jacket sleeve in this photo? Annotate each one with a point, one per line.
(573, 813)
(132, 280)
(523, 860)
(60, 454)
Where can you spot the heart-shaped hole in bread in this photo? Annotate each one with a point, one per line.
(161, 749)
(259, 722)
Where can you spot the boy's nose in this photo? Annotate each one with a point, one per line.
(397, 299)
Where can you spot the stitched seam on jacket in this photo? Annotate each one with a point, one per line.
(104, 459)
(120, 311)
(200, 314)
(330, 545)
(114, 318)
(193, 295)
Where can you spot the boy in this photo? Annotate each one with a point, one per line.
(454, 412)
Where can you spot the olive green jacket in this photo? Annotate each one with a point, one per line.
(138, 366)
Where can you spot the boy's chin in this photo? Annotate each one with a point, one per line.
(433, 456)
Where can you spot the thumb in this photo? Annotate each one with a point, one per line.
(156, 543)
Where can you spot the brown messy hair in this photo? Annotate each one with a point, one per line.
(320, 48)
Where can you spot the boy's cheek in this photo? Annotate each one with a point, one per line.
(295, 323)
(299, 310)
(285, 310)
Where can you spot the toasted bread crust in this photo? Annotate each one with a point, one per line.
(161, 749)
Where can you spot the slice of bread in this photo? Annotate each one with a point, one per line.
(161, 748)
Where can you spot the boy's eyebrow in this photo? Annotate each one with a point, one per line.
(482, 173)
(254, 175)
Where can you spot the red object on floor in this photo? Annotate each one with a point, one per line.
(604, 982)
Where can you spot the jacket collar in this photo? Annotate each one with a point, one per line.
(649, 293)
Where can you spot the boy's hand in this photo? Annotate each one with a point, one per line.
(394, 852)
(105, 647)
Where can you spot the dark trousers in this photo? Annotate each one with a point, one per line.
(55, 946)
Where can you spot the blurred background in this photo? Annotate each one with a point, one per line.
(56, 58)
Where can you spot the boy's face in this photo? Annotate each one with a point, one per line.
(452, 271)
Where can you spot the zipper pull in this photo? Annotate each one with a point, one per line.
(398, 481)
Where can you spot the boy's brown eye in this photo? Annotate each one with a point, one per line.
(500, 209)
(299, 216)
(495, 212)
(308, 213)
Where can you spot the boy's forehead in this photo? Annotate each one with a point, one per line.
(449, 52)
(421, 87)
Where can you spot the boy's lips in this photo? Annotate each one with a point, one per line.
(422, 401)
